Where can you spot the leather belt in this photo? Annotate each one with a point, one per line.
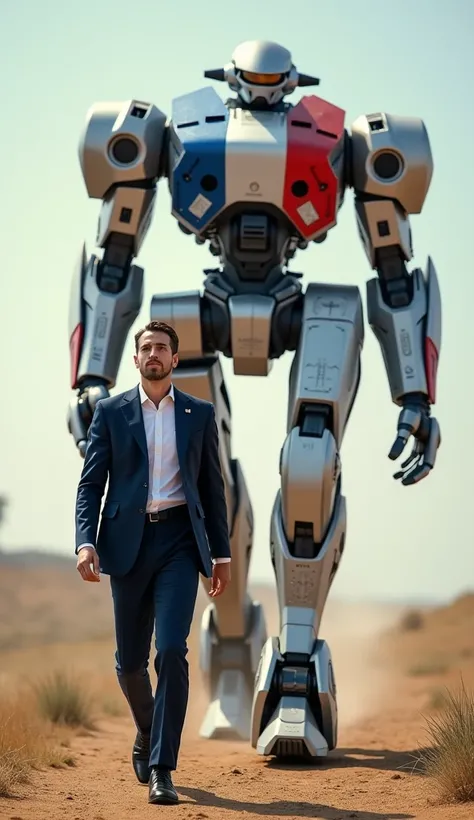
(163, 515)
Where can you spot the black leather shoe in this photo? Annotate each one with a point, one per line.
(161, 789)
(141, 758)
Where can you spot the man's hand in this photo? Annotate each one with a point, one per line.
(220, 579)
(88, 564)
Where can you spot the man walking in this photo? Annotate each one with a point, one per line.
(163, 522)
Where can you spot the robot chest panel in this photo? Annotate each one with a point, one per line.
(255, 157)
(283, 159)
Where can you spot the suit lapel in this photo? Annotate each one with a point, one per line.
(132, 410)
(183, 425)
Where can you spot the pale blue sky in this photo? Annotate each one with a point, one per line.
(408, 58)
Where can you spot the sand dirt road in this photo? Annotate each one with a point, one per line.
(370, 776)
(217, 781)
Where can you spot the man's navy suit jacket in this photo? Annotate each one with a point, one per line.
(117, 451)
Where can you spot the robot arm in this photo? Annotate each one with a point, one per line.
(391, 167)
(121, 155)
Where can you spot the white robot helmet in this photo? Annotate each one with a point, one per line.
(262, 73)
(260, 69)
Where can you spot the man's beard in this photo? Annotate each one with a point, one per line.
(155, 375)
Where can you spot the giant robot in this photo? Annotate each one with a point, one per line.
(258, 179)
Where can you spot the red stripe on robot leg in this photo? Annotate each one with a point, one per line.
(431, 366)
(75, 347)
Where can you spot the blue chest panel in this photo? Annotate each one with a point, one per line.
(198, 187)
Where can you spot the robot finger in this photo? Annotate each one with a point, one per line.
(409, 420)
(399, 444)
(433, 443)
(417, 475)
(408, 466)
(417, 449)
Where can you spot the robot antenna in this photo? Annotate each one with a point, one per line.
(215, 74)
(304, 80)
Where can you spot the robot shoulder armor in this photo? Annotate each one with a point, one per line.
(122, 142)
(391, 158)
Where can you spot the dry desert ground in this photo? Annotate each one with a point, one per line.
(393, 669)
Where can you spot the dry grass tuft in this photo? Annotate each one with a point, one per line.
(62, 700)
(450, 760)
(26, 742)
(430, 666)
(13, 771)
(437, 699)
(113, 707)
(411, 620)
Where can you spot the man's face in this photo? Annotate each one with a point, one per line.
(154, 358)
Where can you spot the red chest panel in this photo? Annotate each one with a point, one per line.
(310, 196)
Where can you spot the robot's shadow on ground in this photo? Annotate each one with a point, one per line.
(355, 758)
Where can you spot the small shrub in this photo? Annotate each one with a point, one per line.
(26, 742)
(62, 700)
(437, 699)
(113, 707)
(429, 667)
(13, 771)
(450, 759)
(411, 620)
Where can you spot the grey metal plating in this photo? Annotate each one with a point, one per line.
(279, 691)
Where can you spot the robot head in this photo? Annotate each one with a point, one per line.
(261, 73)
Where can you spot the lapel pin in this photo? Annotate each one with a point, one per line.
(187, 410)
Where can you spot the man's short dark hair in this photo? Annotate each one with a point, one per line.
(159, 327)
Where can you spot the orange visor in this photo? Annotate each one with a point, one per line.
(261, 79)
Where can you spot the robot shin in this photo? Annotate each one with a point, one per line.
(294, 707)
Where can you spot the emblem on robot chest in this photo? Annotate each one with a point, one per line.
(282, 159)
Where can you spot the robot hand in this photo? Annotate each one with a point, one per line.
(414, 420)
(81, 410)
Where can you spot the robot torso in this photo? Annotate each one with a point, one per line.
(285, 165)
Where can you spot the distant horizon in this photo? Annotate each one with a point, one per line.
(15, 555)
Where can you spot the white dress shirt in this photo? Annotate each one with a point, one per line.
(165, 488)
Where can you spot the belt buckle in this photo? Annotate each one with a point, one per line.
(154, 516)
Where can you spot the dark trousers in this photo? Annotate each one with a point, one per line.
(160, 591)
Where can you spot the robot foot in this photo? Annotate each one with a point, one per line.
(229, 665)
(228, 714)
(294, 711)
